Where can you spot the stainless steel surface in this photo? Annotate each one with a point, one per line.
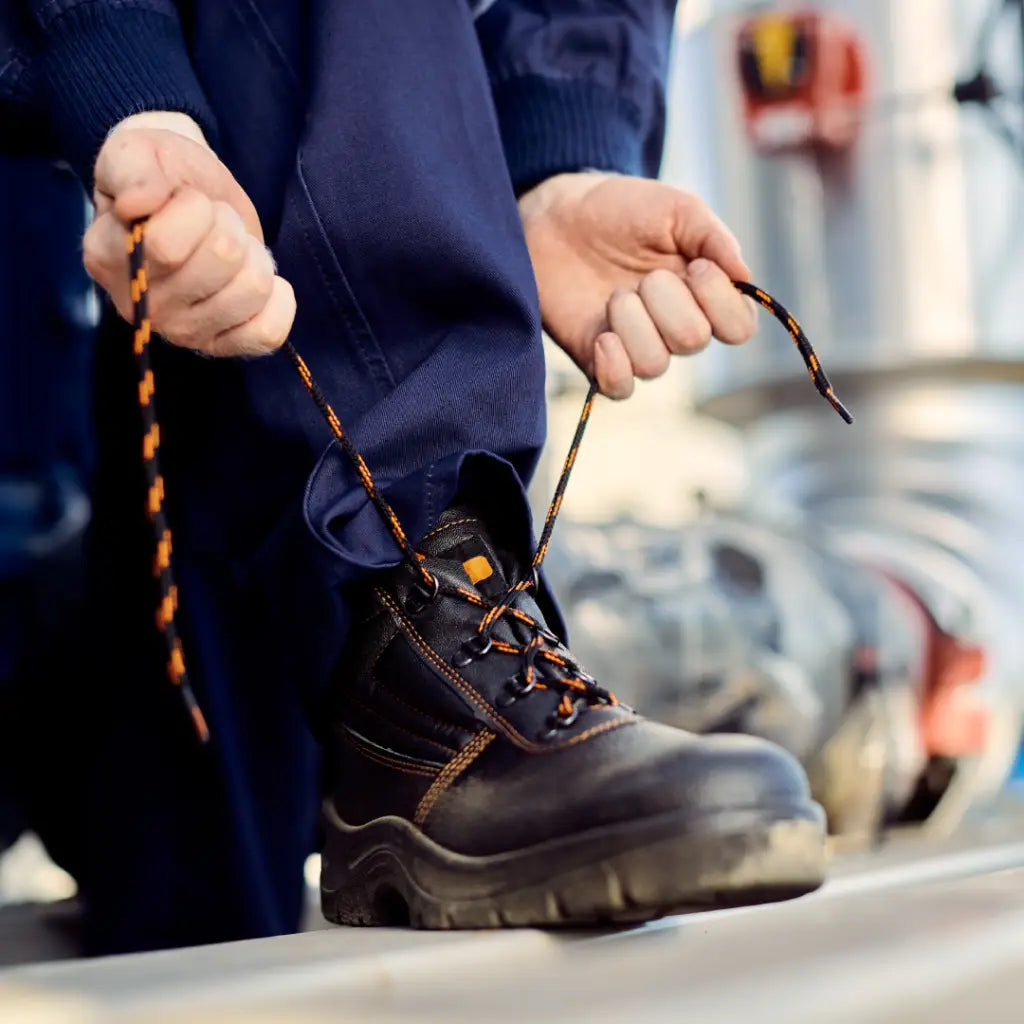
(906, 933)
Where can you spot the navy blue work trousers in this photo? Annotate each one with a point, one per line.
(417, 312)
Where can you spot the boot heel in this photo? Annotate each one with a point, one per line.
(360, 895)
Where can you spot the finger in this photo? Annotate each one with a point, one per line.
(698, 232)
(235, 304)
(612, 369)
(214, 263)
(628, 318)
(732, 320)
(675, 312)
(175, 233)
(105, 258)
(128, 172)
(265, 332)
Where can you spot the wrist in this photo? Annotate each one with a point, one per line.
(540, 196)
(164, 120)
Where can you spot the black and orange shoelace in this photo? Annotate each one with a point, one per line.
(574, 685)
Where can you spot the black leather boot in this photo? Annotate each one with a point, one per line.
(481, 778)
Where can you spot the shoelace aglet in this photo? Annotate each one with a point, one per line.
(839, 408)
(821, 382)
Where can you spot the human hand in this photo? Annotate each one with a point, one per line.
(631, 272)
(212, 283)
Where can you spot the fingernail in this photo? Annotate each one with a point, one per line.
(698, 268)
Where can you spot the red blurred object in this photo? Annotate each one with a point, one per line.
(954, 722)
(804, 76)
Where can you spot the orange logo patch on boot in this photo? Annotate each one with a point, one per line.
(478, 569)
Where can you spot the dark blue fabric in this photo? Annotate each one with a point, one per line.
(47, 318)
(368, 137)
(577, 83)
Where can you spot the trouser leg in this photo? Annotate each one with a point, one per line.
(417, 312)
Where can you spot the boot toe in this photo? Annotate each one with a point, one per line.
(639, 771)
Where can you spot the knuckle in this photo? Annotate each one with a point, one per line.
(175, 232)
(168, 312)
(659, 279)
(651, 365)
(93, 264)
(95, 257)
(228, 236)
(267, 336)
(692, 338)
(619, 301)
(739, 330)
(181, 332)
(166, 247)
(255, 283)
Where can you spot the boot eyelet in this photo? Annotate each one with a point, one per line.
(421, 597)
(509, 693)
(569, 720)
(557, 723)
(475, 647)
(515, 689)
(548, 635)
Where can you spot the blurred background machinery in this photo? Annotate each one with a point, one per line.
(857, 595)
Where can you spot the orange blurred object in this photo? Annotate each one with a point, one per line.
(804, 78)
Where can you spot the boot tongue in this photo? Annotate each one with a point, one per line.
(466, 552)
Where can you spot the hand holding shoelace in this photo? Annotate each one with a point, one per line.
(212, 283)
(631, 272)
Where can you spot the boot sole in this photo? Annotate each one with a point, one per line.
(388, 873)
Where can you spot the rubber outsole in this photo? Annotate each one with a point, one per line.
(388, 873)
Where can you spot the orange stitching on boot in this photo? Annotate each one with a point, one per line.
(451, 771)
(438, 530)
(615, 723)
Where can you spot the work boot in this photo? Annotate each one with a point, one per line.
(480, 777)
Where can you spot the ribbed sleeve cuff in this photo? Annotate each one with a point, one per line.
(104, 63)
(550, 126)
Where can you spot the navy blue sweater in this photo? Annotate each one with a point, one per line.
(576, 83)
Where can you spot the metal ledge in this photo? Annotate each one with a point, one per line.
(906, 934)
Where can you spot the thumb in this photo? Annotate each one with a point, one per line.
(699, 232)
(130, 176)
